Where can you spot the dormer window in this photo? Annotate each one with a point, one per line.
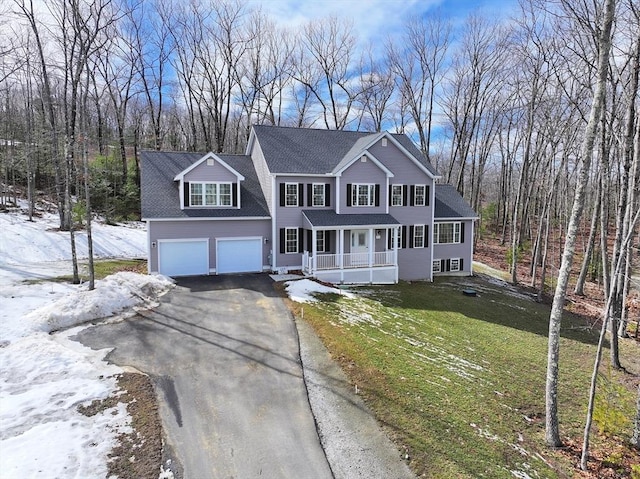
(210, 194)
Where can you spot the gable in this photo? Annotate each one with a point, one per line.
(211, 171)
(210, 163)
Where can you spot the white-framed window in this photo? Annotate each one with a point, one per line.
(363, 195)
(398, 238)
(436, 266)
(418, 236)
(291, 194)
(210, 194)
(446, 233)
(321, 238)
(291, 240)
(454, 264)
(396, 195)
(318, 194)
(419, 195)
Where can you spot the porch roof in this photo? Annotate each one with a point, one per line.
(330, 219)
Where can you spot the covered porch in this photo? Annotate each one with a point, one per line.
(354, 249)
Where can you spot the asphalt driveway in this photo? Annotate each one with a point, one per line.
(223, 353)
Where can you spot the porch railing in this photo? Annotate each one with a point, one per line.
(349, 260)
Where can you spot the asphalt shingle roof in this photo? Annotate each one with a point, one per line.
(322, 218)
(449, 204)
(160, 194)
(315, 151)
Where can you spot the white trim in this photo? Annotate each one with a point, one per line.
(217, 195)
(180, 176)
(390, 200)
(297, 194)
(274, 229)
(297, 230)
(363, 153)
(215, 218)
(337, 195)
(458, 218)
(424, 195)
(149, 249)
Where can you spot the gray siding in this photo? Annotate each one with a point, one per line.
(262, 171)
(367, 172)
(291, 216)
(413, 263)
(457, 250)
(159, 230)
(215, 172)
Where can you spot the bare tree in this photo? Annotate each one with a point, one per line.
(555, 318)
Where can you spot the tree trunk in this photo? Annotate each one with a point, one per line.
(552, 429)
(579, 289)
(635, 436)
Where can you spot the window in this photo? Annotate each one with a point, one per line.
(418, 236)
(446, 233)
(210, 194)
(291, 194)
(396, 195)
(318, 194)
(398, 238)
(419, 195)
(363, 195)
(454, 264)
(321, 241)
(196, 194)
(291, 239)
(436, 266)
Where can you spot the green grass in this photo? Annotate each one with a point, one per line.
(101, 268)
(459, 380)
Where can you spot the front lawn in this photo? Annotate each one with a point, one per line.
(459, 381)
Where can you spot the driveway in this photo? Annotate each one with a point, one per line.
(223, 353)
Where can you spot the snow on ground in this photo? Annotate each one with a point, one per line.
(38, 250)
(45, 377)
(302, 291)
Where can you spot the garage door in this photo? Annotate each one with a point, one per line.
(184, 257)
(238, 255)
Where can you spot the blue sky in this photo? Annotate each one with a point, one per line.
(374, 20)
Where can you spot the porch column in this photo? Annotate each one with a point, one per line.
(395, 250)
(372, 246)
(341, 248)
(314, 252)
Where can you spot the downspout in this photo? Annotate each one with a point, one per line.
(274, 217)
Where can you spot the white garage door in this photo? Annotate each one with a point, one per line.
(239, 255)
(184, 257)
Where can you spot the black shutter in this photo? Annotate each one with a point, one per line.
(389, 238)
(349, 186)
(448, 268)
(282, 240)
(300, 194)
(282, 198)
(426, 236)
(443, 265)
(461, 264)
(377, 195)
(427, 196)
(329, 241)
(411, 234)
(234, 194)
(309, 240)
(327, 194)
(186, 193)
(404, 236)
(390, 195)
(404, 195)
(461, 232)
(412, 195)
(309, 194)
(300, 240)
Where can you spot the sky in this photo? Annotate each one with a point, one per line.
(375, 20)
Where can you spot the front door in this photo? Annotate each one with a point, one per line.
(359, 241)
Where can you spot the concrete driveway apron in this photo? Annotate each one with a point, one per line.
(224, 356)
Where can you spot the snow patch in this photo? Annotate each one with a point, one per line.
(303, 291)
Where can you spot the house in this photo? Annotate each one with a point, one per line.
(341, 206)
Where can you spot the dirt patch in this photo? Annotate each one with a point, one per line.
(138, 454)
